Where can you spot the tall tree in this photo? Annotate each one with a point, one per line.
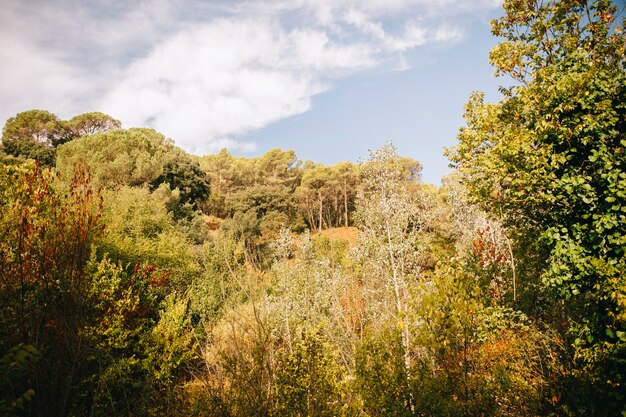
(38, 126)
(32, 134)
(549, 160)
(314, 180)
(88, 124)
(120, 157)
(348, 179)
(390, 218)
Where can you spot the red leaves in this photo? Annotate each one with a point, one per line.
(484, 247)
(46, 240)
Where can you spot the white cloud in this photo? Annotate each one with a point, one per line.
(31, 78)
(228, 78)
(205, 73)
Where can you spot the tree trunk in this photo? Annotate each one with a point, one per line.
(345, 202)
(319, 194)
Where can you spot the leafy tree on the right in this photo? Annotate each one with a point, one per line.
(549, 161)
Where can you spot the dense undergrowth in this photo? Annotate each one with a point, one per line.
(136, 279)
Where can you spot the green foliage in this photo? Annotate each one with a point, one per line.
(308, 380)
(15, 368)
(327, 194)
(32, 135)
(88, 124)
(272, 205)
(124, 309)
(47, 233)
(185, 175)
(29, 149)
(140, 230)
(119, 157)
(38, 126)
(382, 377)
(219, 287)
(500, 293)
(549, 160)
(138, 339)
(478, 359)
(334, 250)
(277, 182)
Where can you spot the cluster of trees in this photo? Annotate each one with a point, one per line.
(136, 279)
(35, 134)
(284, 189)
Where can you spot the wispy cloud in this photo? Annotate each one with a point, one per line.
(204, 73)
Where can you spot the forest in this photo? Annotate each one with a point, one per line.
(137, 279)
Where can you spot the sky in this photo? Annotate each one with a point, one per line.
(329, 79)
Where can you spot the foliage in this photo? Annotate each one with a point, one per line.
(306, 292)
(29, 149)
(140, 229)
(89, 124)
(190, 286)
(184, 175)
(138, 339)
(46, 243)
(390, 218)
(38, 126)
(382, 375)
(119, 157)
(15, 368)
(478, 359)
(110, 337)
(308, 380)
(548, 159)
(239, 359)
(278, 183)
(32, 135)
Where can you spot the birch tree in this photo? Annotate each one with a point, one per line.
(390, 219)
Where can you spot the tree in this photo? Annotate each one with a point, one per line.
(32, 134)
(312, 193)
(27, 149)
(39, 126)
(88, 124)
(549, 161)
(185, 175)
(308, 378)
(218, 168)
(348, 179)
(390, 217)
(141, 230)
(307, 292)
(120, 157)
(277, 167)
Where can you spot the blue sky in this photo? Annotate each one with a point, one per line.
(420, 109)
(327, 78)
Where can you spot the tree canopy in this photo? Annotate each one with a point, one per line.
(34, 134)
(119, 157)
(548, 160)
